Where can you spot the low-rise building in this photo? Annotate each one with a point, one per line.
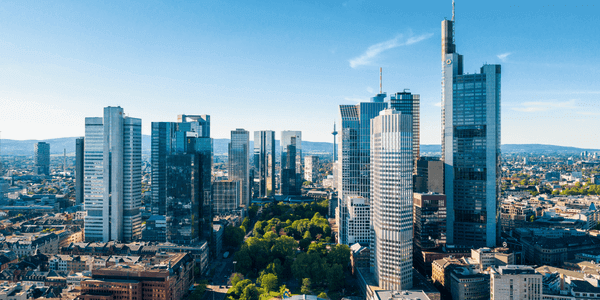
(467, 284)
(515, 282)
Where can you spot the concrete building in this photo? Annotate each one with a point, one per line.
(486, 257)
(113, 177)
(391, 199)
(225, 196)
(79, 170)
(354, 156)
(358, 221)
(515, 282)
(42, 158)
(311, 168)
(264, 163)
(467, 284)
(239, 164)
(470, 147)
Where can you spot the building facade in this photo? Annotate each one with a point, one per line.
(291, 162)
(113, 177)
(359, 220)
(311, 168)
(79, 153)
(391, 199)
(470, 147)
(42, 158)
(515, 282)
(410, 104)
(264, 163)
(226, 196)
(239, 164)
(429, 223)
(354, 156)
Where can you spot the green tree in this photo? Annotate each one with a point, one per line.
(239, 287)
(275, 268)
(339, 254)
(284, 246)
(246, 222)
(244, 260)
(322, 295)
(237, 277)
(233, 236)
(250, 293)
(269, 282)
(335, 277)
(305, 286)
(303, 244)
(252, 210)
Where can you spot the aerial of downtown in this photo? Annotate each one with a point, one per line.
(299, 150)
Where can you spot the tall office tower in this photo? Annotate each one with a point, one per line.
(264, 162)
(79, 153)
(42, 158)
(311, 168)
(470, 146)
(429, 224)
(239, 164)
(291, 162)
(181, 177)
(430, 175)
(408, 103)
(391, 199)
(354, 156)
(226, 196)
(113, 177)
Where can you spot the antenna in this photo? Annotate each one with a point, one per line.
(65, 161)
(452, 10)
(380, 80)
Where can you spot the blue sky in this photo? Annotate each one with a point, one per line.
(287, 65)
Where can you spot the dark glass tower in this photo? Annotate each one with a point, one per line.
(79, 153)
(264, 162)
(409, 104)
(470, 147)
(42, 158)
(291, 162)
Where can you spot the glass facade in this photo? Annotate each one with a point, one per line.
(226, 196)
(42, 158)
(291, 162)
(239, 164)
(182, 203)
(470, 147)
(264, 163)
(408, 103)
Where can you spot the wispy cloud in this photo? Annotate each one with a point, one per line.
(504, 56)
(370, 90)
(438, 104)
(374, 50)
(537, 106)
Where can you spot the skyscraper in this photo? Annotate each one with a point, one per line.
(79, 153)
(391, 199)
(409, 104)
(354, 155)
(113, 177)
(470, 146)
(226, 196)
(181, 176)
(291, 162)
(238, 163)
(42, 158)
(264, 162)
(311, 168)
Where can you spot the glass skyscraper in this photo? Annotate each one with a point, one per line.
(408, 103)
(470, 147)
(79, 152)
(239, 164)
(42, 158)
(291, 162)
(354, 155)
(264, 162)
(113, 177)
(391, 199)
(181, 177)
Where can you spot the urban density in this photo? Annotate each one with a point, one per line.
(120, 214)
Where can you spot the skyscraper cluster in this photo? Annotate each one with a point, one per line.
(451, 200)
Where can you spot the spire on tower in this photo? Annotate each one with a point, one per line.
(452, 10)
(380, 80)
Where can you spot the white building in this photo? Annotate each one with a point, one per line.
(515, 282)
(311, 168)
(358, 221)
(14, 291)
(392, 199)
(113, 177)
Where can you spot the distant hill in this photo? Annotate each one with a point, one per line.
(220, 146)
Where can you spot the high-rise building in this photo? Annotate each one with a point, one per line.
(79, 153)
(429, 223)
(430, 175)
(181, 176)
(391, 199)
(354, 155)
(291, 162)
(409, 104)
(42, 158)
(264, 162)
(239, 164)
(311, 168)
(113, 177)
(470, 146)
(226, 196)
(358, 221)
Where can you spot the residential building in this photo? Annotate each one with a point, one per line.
(354, 156)
(79, 170)
(470, 147)
(291, 162)
(42, 158)
(391, 199)
(226, 196)
(113, 177)
(515, 282)
(409, 104)
(264, 163)
(238, 163)
(311, 168)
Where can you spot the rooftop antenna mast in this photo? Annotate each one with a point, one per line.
(453, 25)
(452, 10)
(380, 80)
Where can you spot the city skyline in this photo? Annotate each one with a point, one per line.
(317, 56)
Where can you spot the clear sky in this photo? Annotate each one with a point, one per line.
(287, 65)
